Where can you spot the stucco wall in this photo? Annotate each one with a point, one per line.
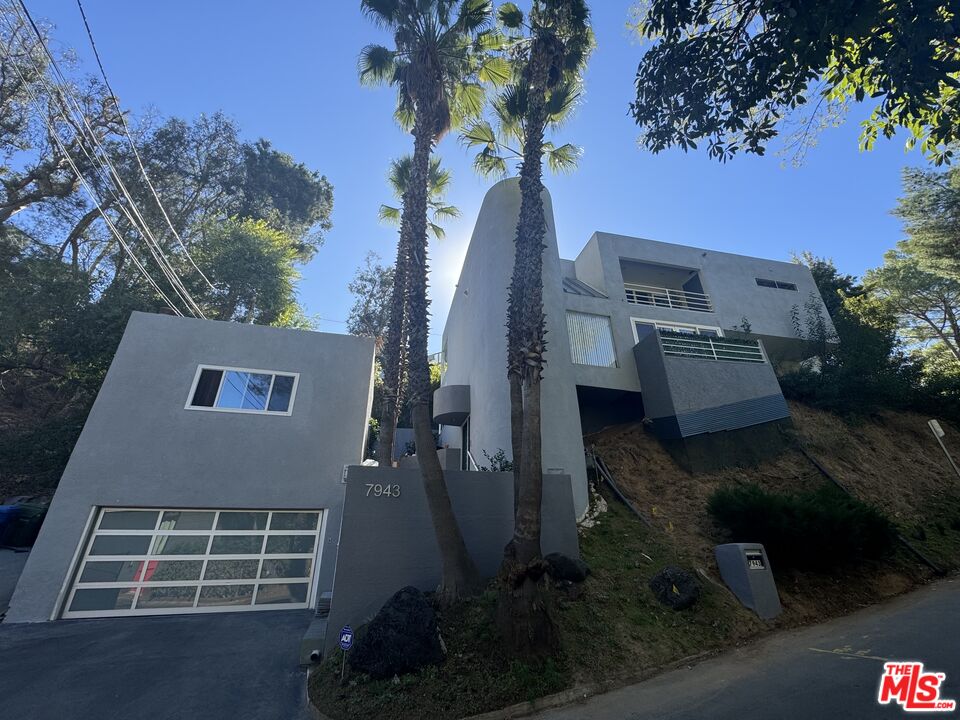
(140, 447)
(688, 395)
(475, 342)
(388, 542)
(729, 279)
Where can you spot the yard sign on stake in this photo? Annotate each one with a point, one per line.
(346, 642)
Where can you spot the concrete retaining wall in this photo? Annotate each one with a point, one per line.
(388, 541)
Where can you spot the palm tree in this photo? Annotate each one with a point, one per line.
(437, 65)
(438, 181)
(549, 49)
(393, 358)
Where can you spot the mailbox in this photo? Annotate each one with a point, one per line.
(745, 569)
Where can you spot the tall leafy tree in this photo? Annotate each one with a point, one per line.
(548, 49)
(731, 72)
(372, 288)
(436, 65)
(927, 304)
(930, 211)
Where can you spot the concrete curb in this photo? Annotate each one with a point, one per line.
(580, 693)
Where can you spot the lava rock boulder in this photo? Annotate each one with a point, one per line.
(402, 638)
(564, 567)
(675, 587)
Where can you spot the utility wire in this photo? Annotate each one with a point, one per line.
(101, 162)
(60, 93)
(133, 147)
(90, 191)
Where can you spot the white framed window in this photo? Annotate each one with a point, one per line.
(243, 390)
(591, 339)
(140, 561)
(709, 330)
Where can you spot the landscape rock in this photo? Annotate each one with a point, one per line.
(563, 567)
(675, 587)
(402, 638)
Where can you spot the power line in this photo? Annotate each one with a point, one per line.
(35, 101)
(133, 147)
(100, 161)
(61, 92)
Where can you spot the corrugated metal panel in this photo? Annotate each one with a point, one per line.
(734, 415)
(591, 339)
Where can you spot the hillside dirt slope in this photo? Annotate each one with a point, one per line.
(890, 460)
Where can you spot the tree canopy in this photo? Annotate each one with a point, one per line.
(731, 72)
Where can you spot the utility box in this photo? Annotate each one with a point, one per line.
(745, 569)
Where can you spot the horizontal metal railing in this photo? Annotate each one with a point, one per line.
(667, 297)
(711, 348)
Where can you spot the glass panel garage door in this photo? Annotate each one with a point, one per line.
(155, 562)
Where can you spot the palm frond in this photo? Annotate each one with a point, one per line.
(438, 232)
(480, 133)
(490, 164)
(496, 71)
(445, 212)
(468, 102)
(562, 159)
(389, 214)
(383, 13)
(561, 100)
(376, 65)
(404, 115)
(510, 16)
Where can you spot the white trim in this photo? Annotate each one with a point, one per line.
(74, 570)
(669, 324)
(246, 411)
(84, 556)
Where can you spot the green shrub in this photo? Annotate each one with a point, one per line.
(819, 530)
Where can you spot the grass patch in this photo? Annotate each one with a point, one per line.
(614, 629)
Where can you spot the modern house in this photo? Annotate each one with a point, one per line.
(208, 476)
(683, 337)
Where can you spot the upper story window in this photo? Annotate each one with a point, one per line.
(243, 390)
(778, 284)
(591, 339)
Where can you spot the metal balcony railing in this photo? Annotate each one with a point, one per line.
(667, 297)
(711, 348)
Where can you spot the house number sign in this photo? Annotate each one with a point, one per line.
(378, 490)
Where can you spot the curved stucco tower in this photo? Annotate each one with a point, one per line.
(475, 347)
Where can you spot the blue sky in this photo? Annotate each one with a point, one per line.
(286, 71)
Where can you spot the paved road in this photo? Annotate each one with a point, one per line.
(230, 666)
(827, 671)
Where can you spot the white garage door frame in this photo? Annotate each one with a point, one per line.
(151, 558)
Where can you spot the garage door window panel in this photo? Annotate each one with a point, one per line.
(194, 561)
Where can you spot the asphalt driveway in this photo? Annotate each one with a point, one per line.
(228, 666)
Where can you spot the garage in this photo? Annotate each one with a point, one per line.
(145, 561)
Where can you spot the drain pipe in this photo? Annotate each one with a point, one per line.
(605, 475)
(903, 541)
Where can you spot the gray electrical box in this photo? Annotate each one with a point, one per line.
(745, 569)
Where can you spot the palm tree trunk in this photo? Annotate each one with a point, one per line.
(460, 577)
(392, 358)
(523, 609)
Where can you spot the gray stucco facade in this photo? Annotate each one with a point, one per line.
(475, 344)
(387, 539)
(614, 282)
(142, 447)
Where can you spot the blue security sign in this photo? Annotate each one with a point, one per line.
(346, 637)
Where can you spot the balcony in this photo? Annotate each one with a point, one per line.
(667, 297)
(706, 347)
